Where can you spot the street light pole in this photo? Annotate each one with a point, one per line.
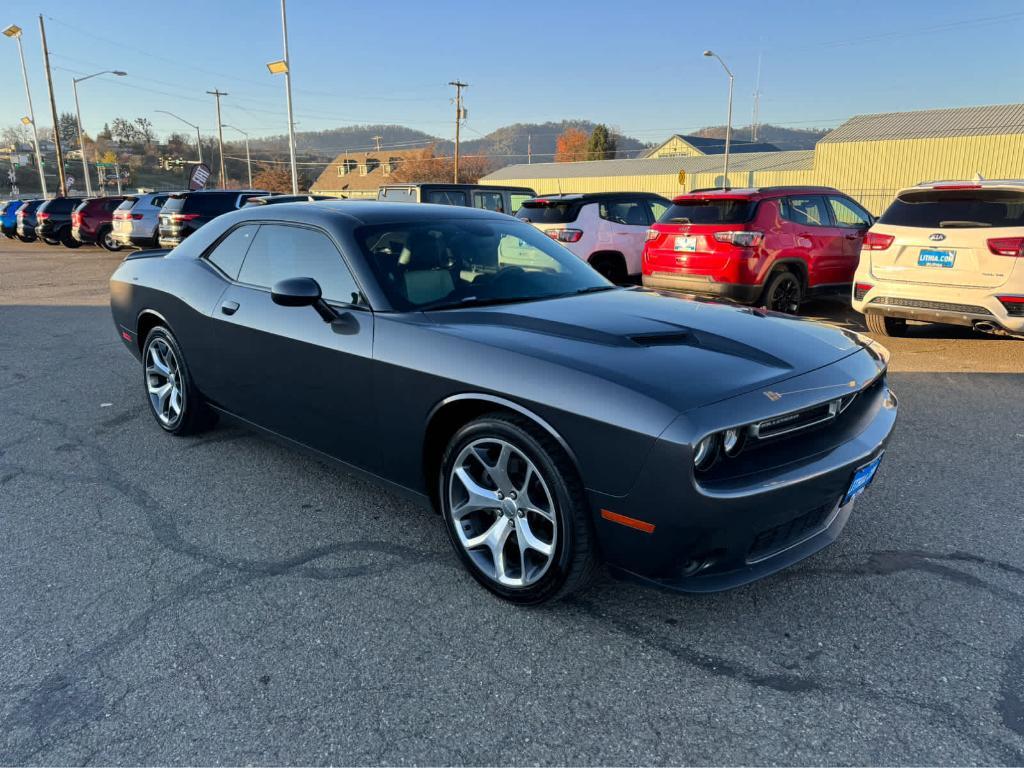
(728, 123)
(15, 32)
(248, 161)
(78, 113)
(288, 91)
(459, 85)
(199, 140)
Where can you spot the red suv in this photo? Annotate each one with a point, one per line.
(773, 246)
(93, 221)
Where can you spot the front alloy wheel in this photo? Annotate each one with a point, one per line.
(515, 510)
(503, 512)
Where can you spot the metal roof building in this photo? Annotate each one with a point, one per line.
(870, 157)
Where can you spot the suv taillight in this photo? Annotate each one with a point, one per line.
(184, 216)
(126, 216)
(565, 235)
(740, 238)
(1006, 246)
(42, 216)
(876, 241)
(76, 219)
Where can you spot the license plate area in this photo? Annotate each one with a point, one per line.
(862, 478)
(685, 244)
(931, 257)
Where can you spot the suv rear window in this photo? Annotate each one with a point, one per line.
(397, 194)
(204, 203)
(549, 212)
(938, 209)
(709, 212)
(63, 204)
(126, 204)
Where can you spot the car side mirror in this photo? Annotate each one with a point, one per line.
(302, 292)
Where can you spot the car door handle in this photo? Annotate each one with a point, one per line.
(229, 307)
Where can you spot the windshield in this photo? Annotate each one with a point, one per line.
(458, 263)
(708, 212)
(938, 209)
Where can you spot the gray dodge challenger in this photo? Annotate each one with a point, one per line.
(554, 421)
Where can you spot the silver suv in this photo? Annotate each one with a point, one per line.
(136, 219)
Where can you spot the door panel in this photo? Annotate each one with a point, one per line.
(816, 239)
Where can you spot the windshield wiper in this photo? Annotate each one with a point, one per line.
(956, 224)
(474, 301)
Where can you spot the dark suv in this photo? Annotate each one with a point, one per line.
(25, 218)
(489, 197)
(92, 222)
(53, 221)
(185, 212)
(772, 246)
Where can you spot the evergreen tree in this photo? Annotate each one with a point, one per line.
(601, 145)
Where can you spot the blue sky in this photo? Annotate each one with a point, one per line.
(636, 66)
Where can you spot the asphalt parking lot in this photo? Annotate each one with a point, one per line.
(222, 599)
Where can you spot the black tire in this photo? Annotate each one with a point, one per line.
(26, 238)
(574, 560)
(194, 415)
(68, 240)
(882, 325)
(105, 238)
(51, 241)
(611, 266)
(784, 293)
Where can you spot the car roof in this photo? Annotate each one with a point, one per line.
(755, 193)
(586, 197)
(362, 212)
(965, 184)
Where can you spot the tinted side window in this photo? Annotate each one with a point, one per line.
(809, 210)
(446, 197)
(630, 212)
(279, 251)
(489, 201)
(848, 213)
(209, 203)
(230, 251)
(158, 201)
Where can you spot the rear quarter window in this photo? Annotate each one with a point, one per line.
(937, 209)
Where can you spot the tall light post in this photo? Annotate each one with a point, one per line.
(728, 123)
(199, 140)
(217, 93)
(15, 31)
(248, 161)
(78, 112)
(284, 67)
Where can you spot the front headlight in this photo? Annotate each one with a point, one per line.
(706, 452)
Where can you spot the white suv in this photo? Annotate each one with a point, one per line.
(946, 252)
(605, 229)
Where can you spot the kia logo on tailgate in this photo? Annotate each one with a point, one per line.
(937, 237)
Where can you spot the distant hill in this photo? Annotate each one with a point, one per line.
(783, 138)
(504, 146)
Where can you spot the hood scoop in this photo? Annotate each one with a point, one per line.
(710, 342)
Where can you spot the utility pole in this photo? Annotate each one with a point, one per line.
(459, 116)
(377, 140)
(217, 93)
(288, 90)
(529, 148)
(53, 111)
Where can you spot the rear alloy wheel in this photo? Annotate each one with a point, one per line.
(173, 399)
(514, 511)
(784, 293)
(610, 267)
(882, 325)
(107, 240)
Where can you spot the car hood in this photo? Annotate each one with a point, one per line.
(681, 352)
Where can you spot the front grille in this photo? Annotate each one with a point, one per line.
(942, 306)
(779, 537)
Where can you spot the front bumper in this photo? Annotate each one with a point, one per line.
(703, 285)
(938, 304)
(780, 505)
